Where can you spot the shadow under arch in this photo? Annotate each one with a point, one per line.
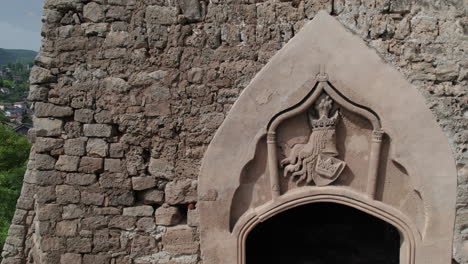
(323, 233)
(330, 194)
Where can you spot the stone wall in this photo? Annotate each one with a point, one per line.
(128, 93)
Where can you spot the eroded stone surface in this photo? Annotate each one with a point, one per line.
(155, 81)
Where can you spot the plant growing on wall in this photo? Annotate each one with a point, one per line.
(14, 152)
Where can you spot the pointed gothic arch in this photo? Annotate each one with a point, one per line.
(406, 178)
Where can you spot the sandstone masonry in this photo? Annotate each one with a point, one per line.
(128, 94)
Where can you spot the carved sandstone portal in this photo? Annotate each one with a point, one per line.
(358, 135)
(315, 160)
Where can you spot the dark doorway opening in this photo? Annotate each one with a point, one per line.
(323, 233)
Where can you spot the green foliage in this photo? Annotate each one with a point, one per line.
(3, 119)
(16, 56)
(16, 79)
(14, 153)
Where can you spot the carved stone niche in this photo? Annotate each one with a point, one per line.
(327, 121)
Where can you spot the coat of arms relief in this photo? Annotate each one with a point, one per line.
(316, 160)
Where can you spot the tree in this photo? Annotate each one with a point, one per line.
(14, 153)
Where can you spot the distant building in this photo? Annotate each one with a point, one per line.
(22, 129)
(5, 90)
(13, 113)
(4, 106)
(21, 105)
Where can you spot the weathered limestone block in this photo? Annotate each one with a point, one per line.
(195, 75)
(84, 115)
(105, 241)
(127, 3)
(447, 72)
(94, 223)
(117, 39)
(47, 126)
(113, 165)
(70, 258)
(46, 227)
(67, 194)
(193, 217)
(79, 244)
(66, 228)
(40, 75)
(25, 203)
(44, 162)
(93, 259)
(152, 197)
(49, 212)
(181, 192)
(16, 235)
(81, 179)
(45, 194)
(107, 211)
(161, 15)
(115, 180)
(90, 165)
(123, 222)
(61, 4)
(191, 10)
(19, 217)
(424, 27)
(92, 198)
(143, 244)
(97, 147)
(51, 110)
(97, 130)
(45, 59)
(180, 240)
(117, 13)
(146, 224)
(142, 210)
(72, 211)
(116, 84)
(37, 93)
(67, 163)
(161, 168)
(52, 244)
(93, 12)
(168, 215)
(53, 145)
(143, 183)
(116, 150)
(75, 146)
(43, 178)
(103, 117)
(115, 53)
(95, 29)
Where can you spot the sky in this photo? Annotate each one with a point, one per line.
(20, 24)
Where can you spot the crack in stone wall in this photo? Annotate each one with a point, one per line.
(128, 94)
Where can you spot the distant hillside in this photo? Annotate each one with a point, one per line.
(14, 55)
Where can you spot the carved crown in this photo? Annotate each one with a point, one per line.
(327, 166)
(323, 107)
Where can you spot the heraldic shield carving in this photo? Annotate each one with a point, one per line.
(316, 160)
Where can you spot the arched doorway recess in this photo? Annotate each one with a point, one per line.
(408, 234)
(323, 233)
